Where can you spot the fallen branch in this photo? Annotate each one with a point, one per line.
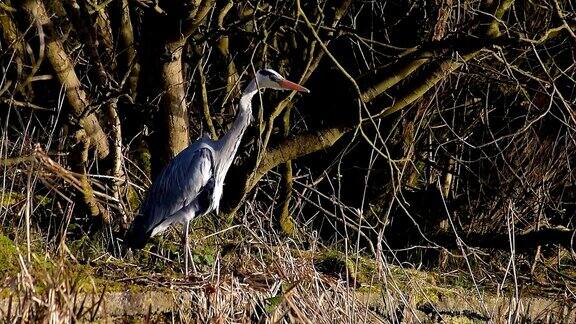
(528, 241)
(79, 181)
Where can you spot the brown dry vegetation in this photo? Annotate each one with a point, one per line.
(431, 163)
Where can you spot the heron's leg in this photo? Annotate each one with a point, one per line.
(189, 255)
(186, 247)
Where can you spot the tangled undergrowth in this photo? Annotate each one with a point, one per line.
(427, 176)
(240, 277)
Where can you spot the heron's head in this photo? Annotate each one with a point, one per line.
(268, 78)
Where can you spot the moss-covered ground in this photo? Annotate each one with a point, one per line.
(273, 275)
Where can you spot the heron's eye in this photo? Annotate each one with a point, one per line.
(270, 75)
(274, 78)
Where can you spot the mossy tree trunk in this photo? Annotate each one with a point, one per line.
(76, 97)
(285, 221)
(162, 82)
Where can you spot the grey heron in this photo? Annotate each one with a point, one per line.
(191, 184)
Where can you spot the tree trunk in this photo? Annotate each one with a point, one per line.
(64, 69)
(162, 78)
(171, 119)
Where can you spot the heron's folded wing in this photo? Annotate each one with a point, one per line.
(181, 181)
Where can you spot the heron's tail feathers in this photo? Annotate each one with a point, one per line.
(138, 234)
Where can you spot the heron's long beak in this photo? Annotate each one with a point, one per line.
(289, 85)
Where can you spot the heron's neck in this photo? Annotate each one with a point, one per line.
(230, 141)
(246, 99)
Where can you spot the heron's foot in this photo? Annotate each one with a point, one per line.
(129, 254)
(189, 260)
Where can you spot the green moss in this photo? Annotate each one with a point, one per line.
(82, 248)
(102, 284)
(204, 255)
(369, 289)
(273, 302)
(358, 268)
(330, 262)
(424, 286)
(288, 224)
(405, 274)
(145, 160)
(133, 198)
(6, 293)
(43, 200)
(9, 198)
(433, 294)
(8, 256)
(366, 270)
(42, 264)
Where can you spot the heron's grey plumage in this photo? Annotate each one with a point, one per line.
(177, 194)
(191, 184)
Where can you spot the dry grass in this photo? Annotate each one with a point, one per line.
(58, 265)
(254, 282)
